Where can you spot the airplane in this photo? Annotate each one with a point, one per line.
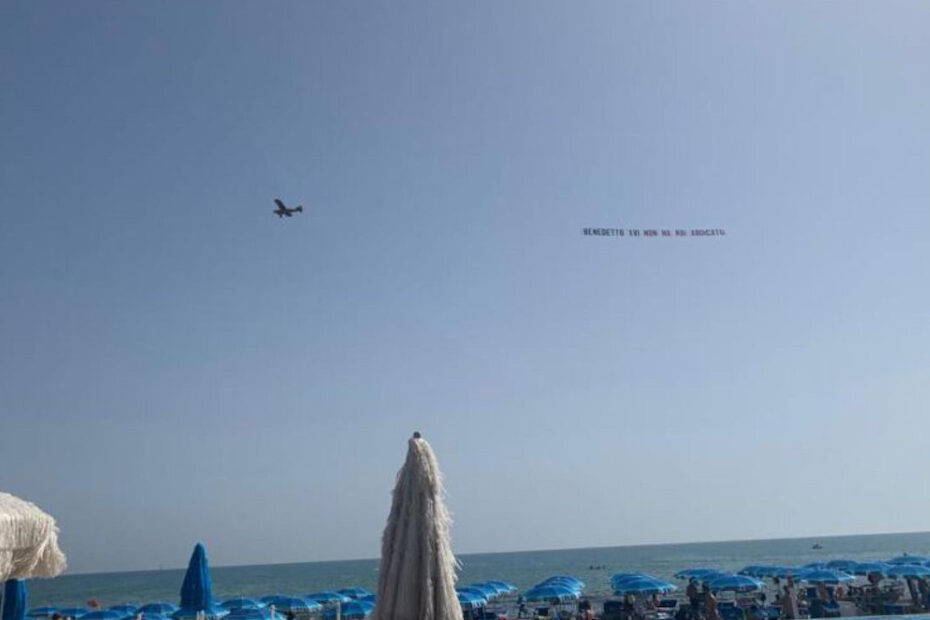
(283, 211)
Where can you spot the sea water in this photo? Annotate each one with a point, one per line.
(523, 569)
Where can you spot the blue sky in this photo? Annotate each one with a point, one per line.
(179, 365)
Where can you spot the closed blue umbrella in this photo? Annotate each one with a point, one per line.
(42, 612)
(161, 608)
(197, 588)
(550, 593)
(14, 600)
(908, 570)
(734, 583)
(241, 602)
(355, 592)
(328, 596)
(825, 575)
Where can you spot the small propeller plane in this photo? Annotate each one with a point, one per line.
(284, 211)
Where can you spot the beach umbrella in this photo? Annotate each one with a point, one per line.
(42, 612)
(103, 614)
(146, 617)
(621, 577)
(550, 593)
(73, 612)
(565, 579)
(241, 602)
(815, 566)
(847, 566)
(197, 588)
(328, 596)
(269, 598)
(825, 575)
(643, 585)
(252, 613)
(371, 598)
(28, 541)
(788, 571)
(555, 581)
(294, 604)
(124, 609)
(503, 586)
(473, 592)
(908, 570)
(416, 578)
(696, 573)
(355, 592)
(734, 583)
(352, 610)
(870, 568)
(488, 590)
(161, 608)
(14, 600)
(470, 601)
(909, 559)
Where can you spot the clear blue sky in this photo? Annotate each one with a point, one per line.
(177, 364)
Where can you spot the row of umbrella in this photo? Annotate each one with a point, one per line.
(477, 595)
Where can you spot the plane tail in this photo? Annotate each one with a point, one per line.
(299, 208)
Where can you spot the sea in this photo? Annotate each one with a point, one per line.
(593, 566)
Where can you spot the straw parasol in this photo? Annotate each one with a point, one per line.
(28, 541)
(416, 579)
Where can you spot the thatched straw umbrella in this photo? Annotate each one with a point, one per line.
(416, 579)
(28, 541)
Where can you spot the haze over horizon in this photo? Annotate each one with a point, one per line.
(179, 364)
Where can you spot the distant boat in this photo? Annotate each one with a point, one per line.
(816, 546)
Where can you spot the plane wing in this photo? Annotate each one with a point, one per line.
(280, 204)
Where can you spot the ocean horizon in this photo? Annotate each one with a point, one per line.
(593, 565)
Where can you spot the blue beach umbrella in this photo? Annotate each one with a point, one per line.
(470, 601)
(294, 604)
(124, 610)
(551, 593)
(328, 596)
(253, 613)
(42, 612)
(147, 617)
(73, 612)
(503, 585)
(353, 610)
(355, 592)
(197, 588)
(909, 559)
(847, 566)
(488, 590)
(241, 602)
(789, 571)
(473, 592)
(825, 575)
(14, 600)
(643, 585)
(567, 579)
(161, 608)
(104, 614)
(697, 573)
(734, 583)
(621, 577)
(498, 589)
(908, 570)
(870, 568)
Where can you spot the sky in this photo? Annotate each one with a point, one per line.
(178, 364)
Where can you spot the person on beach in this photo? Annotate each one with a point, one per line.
(694, 597)
(789, 603)
(711, 611)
